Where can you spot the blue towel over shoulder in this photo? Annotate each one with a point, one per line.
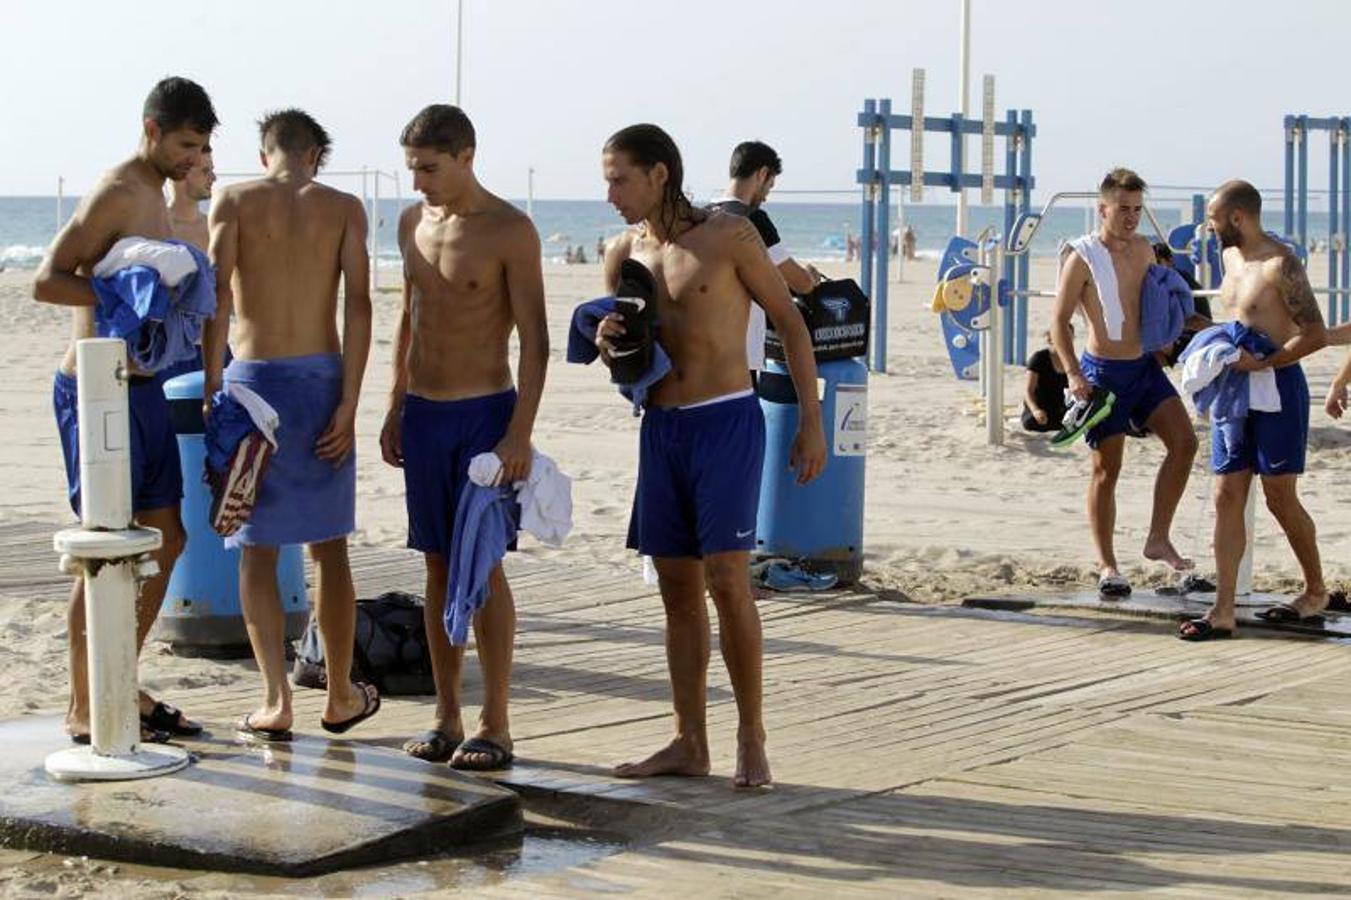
(1166, 303)
(162, 325)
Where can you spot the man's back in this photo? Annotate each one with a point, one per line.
(289, 259)
(702, 306)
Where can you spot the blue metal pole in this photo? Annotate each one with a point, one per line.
(1334, 164)
(883, 233)
(1290, 176)
(1198, 207)
(1303, 177)
(1011, 200)
(865, 257)
(1345, 127)
(1024, 260)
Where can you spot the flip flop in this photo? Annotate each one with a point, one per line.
(169, 718)
(250, 732)
(1202, 630)
(1113, 587)
(498, 756)
(440, 746)
(371, 708)
(148, 736)
(1288, 614)
(1083, 415)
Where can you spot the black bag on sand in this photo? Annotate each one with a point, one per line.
(390, 650)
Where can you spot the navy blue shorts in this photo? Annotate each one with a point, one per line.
(440, 437)
(1269, 443)
(1139, 384)
(698, 479)
(156, 475)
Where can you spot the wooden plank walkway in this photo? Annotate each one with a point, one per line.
(918, 751)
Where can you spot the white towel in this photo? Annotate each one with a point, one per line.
(545, 495)
(1201, 368)
(264, 417)
(173, 262)
(1099, 259)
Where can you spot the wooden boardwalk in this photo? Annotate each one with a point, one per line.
(917, 750)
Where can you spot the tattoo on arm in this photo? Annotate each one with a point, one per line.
(1298, 295)
(746, 233)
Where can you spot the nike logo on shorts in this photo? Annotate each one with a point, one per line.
(747, 533)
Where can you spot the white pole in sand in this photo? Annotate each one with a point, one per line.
(109, 552)
(963, 87)
(530, 193)
(991, 342)
(374, 226)
(60, 201)
(459, 47)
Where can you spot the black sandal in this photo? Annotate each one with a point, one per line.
(1202, 630)
(499, 757)
(169, 718)
(440, 746)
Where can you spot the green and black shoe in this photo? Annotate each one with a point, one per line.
(1083, 415)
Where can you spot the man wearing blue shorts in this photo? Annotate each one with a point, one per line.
(1101, 278)
(1266, 289)
(177, 122)
(702, 441)
(471, 276)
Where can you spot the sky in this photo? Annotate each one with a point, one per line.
(1185, 92)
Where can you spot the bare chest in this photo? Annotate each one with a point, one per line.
(446, 259)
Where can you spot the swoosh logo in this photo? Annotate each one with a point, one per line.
(747, 533)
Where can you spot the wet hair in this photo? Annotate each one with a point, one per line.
(294, 131)
(1239, 195)
(176, 103)
(646, 145)
(1162, 252)
(440, 127)
(750, 157)
(1120, 179)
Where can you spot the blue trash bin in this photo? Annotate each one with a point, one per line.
(201, 614)
(820, 523)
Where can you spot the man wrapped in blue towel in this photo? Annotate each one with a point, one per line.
(281, 243)
(128, 202)
(703, 435)
(471, 276)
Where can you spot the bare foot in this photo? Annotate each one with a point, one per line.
(470, 757)
(1163, 551)
(752, 765)
(352, 702)
(270, 718)
(683, 756)
(1311, 603)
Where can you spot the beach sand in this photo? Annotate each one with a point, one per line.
(946, 515)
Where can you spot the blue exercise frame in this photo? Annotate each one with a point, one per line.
(1339, 195)
(876, 176)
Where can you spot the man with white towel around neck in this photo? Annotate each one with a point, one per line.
(1115, 359)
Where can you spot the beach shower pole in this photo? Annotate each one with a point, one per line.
(459, 47)
(530, 194)
(60, 200)
(375, 234)
(963, 103)
(110, 552)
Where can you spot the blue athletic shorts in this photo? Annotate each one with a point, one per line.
(156, 475)
(440, 437)
(1139, 384)
(698, 479)
(1270, 443)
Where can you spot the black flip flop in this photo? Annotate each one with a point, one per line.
(169, 718)
(1202, 630)
(148, 736)
(1287, 614)
(499, 757)
(250, 732)
(371, 708)
(440, 746)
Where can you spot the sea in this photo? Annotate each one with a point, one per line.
(810, 231)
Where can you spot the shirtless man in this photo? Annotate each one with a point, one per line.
(702, 443)
(177, 122)
(471, 275)
(185, 217)
(1266, 289)
(280, 244)
(1115, 360)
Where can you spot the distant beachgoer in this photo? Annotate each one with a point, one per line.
(894, 247)
(281, 244)
(908, 242)
(753, 169)
(568, 256)
(128, 200)
(1044, 395)
(600, 248)
(580, 259)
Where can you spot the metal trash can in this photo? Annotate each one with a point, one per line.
(201, 615)
(820, 523)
